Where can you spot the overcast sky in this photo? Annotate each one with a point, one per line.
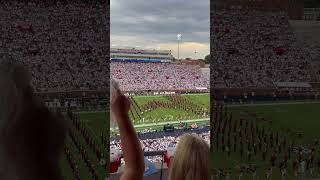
(154, 24)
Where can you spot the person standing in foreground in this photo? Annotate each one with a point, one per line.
(131, 147)
(191, 159)
(31, 136)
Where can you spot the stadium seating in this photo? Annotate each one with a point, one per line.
(255, 49)
(64, 44)
(160, 141)
(65, 50)
(157, 76)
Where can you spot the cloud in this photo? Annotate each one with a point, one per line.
(188, 49)
(156, 23)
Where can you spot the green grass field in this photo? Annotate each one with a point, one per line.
(141, 100)
(287, 120)
(98, 122)
(167, 114)
(202, 99)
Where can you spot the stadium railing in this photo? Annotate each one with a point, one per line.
(81, 100)
(162, 168)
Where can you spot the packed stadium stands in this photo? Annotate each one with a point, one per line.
(157, 76)
(255, 49)
(64, 49)
(64, 44)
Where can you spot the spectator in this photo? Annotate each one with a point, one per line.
(160, 141)
(32, 137)
(191, 159)
(157, 76)
(131, 148)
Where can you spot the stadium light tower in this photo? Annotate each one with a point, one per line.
(195, 54)
(179, 38)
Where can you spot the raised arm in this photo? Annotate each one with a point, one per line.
(132, 151)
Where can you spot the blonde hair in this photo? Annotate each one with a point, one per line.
(191, 159)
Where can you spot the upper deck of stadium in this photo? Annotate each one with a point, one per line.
(117, 54)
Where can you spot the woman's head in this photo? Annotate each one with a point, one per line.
(10, 105)
(191, 159)
(30, 133)
(13, 81)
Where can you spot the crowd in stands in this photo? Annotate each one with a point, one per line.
(255, 49)
(67, 51)
(160, 141)
(63, 49)
(157, 76)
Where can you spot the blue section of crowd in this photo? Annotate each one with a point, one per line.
(134, 60)
(161, 134)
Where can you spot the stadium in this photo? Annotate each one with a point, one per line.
(68, 58)
(168, 99)
(265, 82)
(58, 45)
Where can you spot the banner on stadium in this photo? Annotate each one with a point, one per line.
(163, 93)
(201, 88)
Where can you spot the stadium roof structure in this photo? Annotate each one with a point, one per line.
(125, 54)
(113, 49)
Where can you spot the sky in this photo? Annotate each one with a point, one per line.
(154, 24)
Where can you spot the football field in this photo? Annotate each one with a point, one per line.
(157, 109)
(156, 112)
(296, 122)
(95, 124)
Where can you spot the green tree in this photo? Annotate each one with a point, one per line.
(207, 59)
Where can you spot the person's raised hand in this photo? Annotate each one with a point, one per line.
(120, 104)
